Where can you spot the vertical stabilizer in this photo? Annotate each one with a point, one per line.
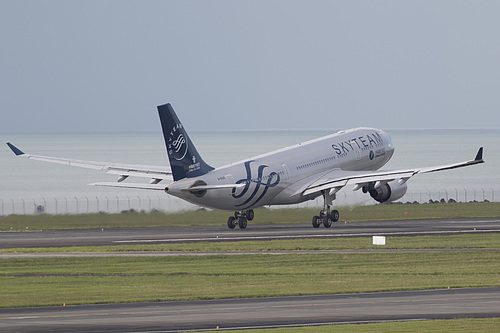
(185, 160)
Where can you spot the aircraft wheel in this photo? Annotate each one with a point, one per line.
(316, 221)
(242, 222)
(231, 222)
(250, 215)
(327, 222)
(335, 215)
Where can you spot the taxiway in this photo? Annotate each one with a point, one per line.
(249, 313)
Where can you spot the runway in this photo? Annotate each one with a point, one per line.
(257, 312)
(159, 235)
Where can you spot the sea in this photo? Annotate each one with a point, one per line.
(32, 187)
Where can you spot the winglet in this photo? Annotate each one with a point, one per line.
(479, 156)
(16, 150)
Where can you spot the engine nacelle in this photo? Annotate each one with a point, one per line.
(388, 192)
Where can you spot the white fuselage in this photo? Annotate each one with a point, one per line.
(276, 178)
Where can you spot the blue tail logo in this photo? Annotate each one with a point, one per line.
(185, 160)
(178, 147)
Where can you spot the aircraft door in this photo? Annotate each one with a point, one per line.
(230, 180)
(358, 154)
(286, 172)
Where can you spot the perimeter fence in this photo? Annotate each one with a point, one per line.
(92, 205)
(169, 204)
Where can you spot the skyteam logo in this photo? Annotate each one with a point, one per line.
(177, 143)
(260, 184)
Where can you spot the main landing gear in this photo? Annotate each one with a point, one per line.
(240, 219)
(325, 216)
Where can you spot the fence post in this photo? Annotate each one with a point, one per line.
(77, 208)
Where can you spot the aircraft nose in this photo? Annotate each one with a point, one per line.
(390, 144)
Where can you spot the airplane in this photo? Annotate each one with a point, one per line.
(305, 171)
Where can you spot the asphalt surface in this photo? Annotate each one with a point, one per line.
(159, 235)
(257, 312)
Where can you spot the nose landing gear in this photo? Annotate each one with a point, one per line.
(240, 219)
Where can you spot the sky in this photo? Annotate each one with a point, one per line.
(104, 66)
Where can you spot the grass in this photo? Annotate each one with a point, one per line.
(53, 281)
(263, 216)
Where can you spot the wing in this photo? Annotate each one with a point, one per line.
(336, 179)
(155, 173)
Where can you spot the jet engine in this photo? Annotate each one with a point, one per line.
(386, 192)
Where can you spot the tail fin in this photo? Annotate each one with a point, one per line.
(185, 160)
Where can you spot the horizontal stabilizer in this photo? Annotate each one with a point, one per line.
(213, 187)
(162, 187)
(157, 187)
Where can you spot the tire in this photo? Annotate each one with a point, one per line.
(250, 215)
(327, 222)
(316, 221)
(242, 222)
(230, 222)
(335, 215)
